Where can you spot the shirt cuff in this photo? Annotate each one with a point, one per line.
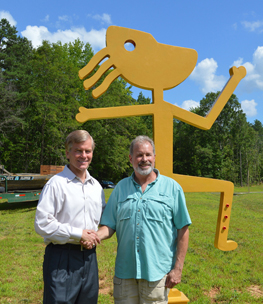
(76, 233)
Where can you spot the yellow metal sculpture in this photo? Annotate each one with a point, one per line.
(158, 67)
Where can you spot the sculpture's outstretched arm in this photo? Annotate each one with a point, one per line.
(114, 112)
(205, 123)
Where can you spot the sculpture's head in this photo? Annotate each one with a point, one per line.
(150, 65)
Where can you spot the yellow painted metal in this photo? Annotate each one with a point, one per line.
(158, 67)
(176, 296)
(149, 66)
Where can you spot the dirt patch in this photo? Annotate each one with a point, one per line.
(255, 291)
(104, 287)
(105, 291)
(213, 292)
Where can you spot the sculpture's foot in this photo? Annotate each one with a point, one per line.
(176, 296)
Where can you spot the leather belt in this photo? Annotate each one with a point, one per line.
(69, 246)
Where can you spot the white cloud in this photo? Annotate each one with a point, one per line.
(8, 16)
(37, 34)
(254, 78)
(190, 104)
(252, 26)
(204, 75)
(258, 59)
(238, 62)
(46, 19)
(64, 18)
(234, 26)
(104, 18)
(249, 107)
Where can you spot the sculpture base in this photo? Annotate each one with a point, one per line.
(176, 296)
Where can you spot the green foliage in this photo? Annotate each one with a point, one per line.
(43, 97)
(230, 150)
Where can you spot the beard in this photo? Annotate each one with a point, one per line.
(141, 171)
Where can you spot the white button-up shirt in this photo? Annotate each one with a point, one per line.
(67, 206)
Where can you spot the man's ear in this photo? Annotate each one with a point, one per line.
(67, 154)
(130, 158)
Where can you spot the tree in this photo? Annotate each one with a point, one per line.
(57, 94)
(15, 53)
(214, 153)
(258, 127)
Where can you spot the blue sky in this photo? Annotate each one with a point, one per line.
(224, 33)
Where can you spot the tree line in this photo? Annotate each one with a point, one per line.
(40, 93)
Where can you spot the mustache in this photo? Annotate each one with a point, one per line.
(144, 163)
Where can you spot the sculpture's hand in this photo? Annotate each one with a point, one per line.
(82, 116)
(238, 73)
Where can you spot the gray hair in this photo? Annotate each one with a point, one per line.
(139, 140)
(77, 137)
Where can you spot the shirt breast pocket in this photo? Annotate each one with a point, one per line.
(125, 209)
(155, 211)
(158, 210)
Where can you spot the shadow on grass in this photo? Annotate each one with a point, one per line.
(18, 206)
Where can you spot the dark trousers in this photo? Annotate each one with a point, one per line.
(70, 275)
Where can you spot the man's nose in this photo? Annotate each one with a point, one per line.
(144, 158)
(83, 154)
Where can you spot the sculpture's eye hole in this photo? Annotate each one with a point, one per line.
(130, 45)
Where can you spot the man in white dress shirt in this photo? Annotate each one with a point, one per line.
(68, 212)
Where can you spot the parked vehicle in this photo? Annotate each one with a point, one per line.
(17, 196)
(25, 187)
(107, 184)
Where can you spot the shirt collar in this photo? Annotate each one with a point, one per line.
(70, 175)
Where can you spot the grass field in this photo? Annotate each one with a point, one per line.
(209, 275)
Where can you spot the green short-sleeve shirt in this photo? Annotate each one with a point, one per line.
(146, 226)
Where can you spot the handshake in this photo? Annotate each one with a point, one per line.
(89, 239)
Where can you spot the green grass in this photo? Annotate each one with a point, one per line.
(251, 189)
(209, 275)
(228, 276)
